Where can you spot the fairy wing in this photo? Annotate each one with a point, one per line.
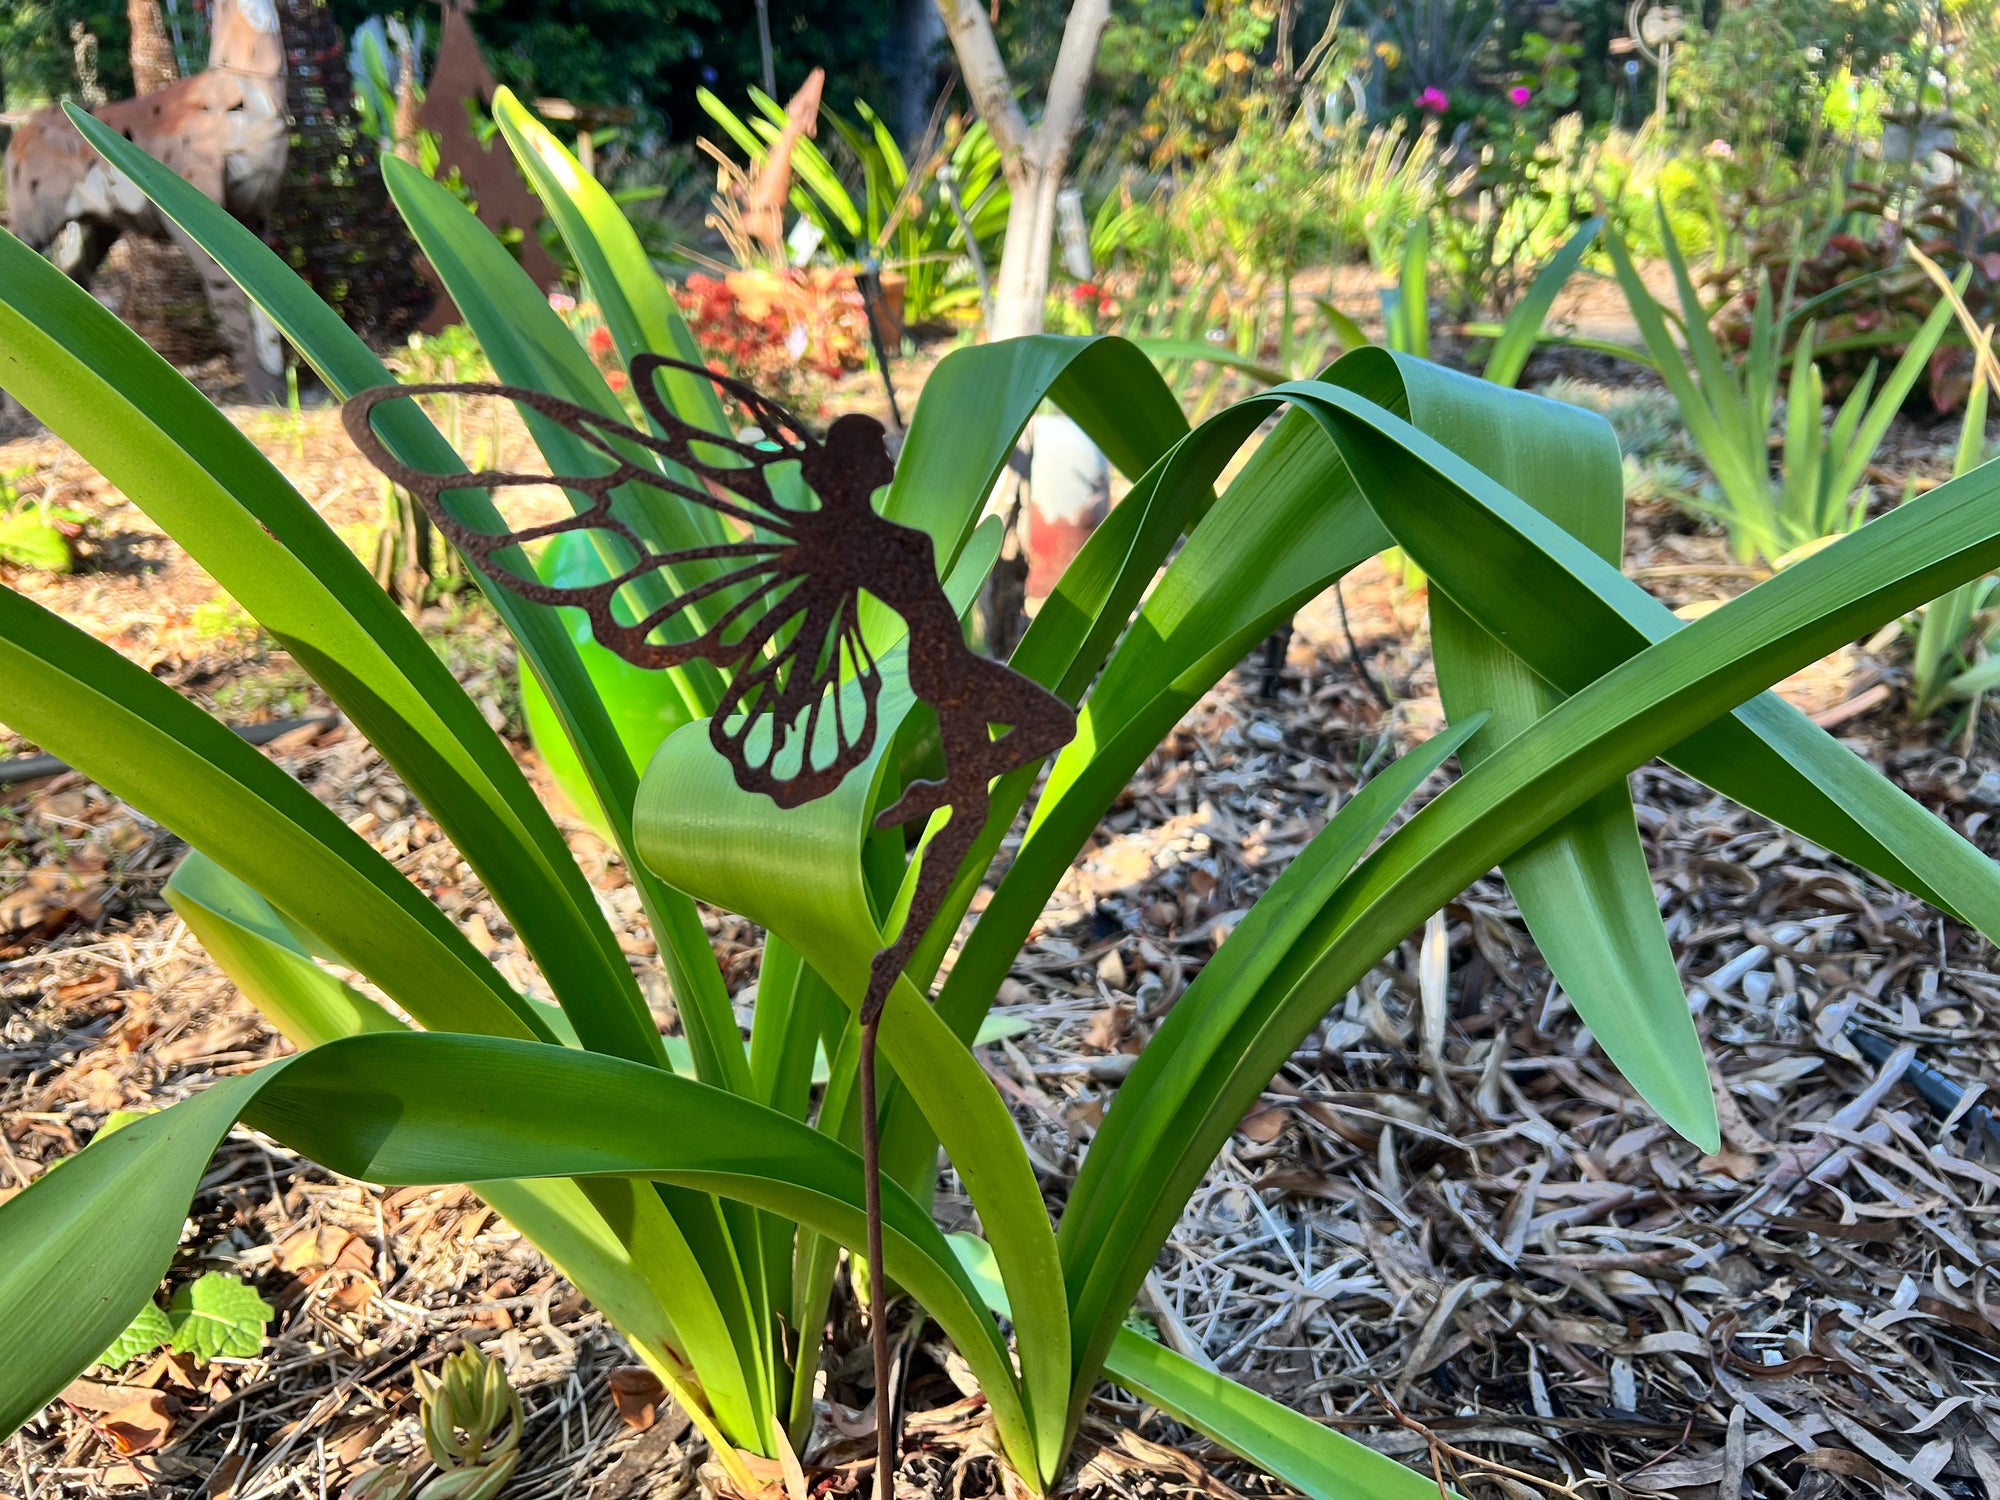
(799, 710)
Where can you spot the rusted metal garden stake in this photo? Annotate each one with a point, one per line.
(784, 720)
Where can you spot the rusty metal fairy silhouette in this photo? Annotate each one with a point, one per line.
(788, 634)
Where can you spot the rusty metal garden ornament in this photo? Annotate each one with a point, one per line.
(799, 712)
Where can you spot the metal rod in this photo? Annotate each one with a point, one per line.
(764, 46)
(869, 281)
(878, 1300)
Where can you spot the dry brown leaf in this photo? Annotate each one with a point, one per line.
(1265, 1125)
(767, 1476)
(637, 1393)
(1107, 1027)
(1739, 1166)
(139, 1426)
(352, 1296)
(325, 1248)
(98, 1396)
(46, 903)
(198, 1045)
(98, 1089)
(1111, 970)
(103, 980)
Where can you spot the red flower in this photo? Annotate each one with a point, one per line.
(616, 379)
(600, 340)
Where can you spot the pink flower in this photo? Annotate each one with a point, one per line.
(1434, 100)
(1519, 95)
(562, 302)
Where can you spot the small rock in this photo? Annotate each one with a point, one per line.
(1113, 1069)
(1265, 735)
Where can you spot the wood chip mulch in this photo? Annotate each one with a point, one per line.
(1448, 1227)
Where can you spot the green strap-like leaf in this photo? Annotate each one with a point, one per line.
(1126, 1182)
(147, 744)
(530, 346)
(798, 872)
(266, 959)
(632, 296)
(643, 1275)
(1583, 887)
(410, 707)
(1523, 329)
(83, 1247)
(1648, 704)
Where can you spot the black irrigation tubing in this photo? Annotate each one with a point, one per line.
(35, 767)
(1937, 1091)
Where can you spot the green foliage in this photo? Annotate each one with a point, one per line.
(382, 47)
(1512, 206)
(1785, 100)
(1729, 406)
(472, 1425)
(1431, 44)
(877, 205)
(213, 1317)
(29, 541)
(38, 57)
(1407, 307)
(151, 1330)
(1869, 295)
(1951, 647)
(218, 1317)
(1761, 78)
(1280, 197)
(656, 53)
(35, 533)
(704, 1214)
(1204, 70)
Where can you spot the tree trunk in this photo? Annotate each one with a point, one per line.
(1021, 292)
(153, 66)
(1034, 159)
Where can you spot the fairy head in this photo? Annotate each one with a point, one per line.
(855, 462)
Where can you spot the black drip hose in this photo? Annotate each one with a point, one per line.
(1937, 1091)
(35, 767)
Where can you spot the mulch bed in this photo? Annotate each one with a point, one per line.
(1448, 1227)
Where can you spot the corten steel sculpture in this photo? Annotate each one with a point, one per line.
(764, 207)
(461, 80)
(224, 130)
(785, 639)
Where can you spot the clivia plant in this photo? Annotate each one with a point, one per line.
(704, 1207)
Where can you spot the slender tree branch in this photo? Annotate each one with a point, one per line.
(986, 74)
(1076, 60)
